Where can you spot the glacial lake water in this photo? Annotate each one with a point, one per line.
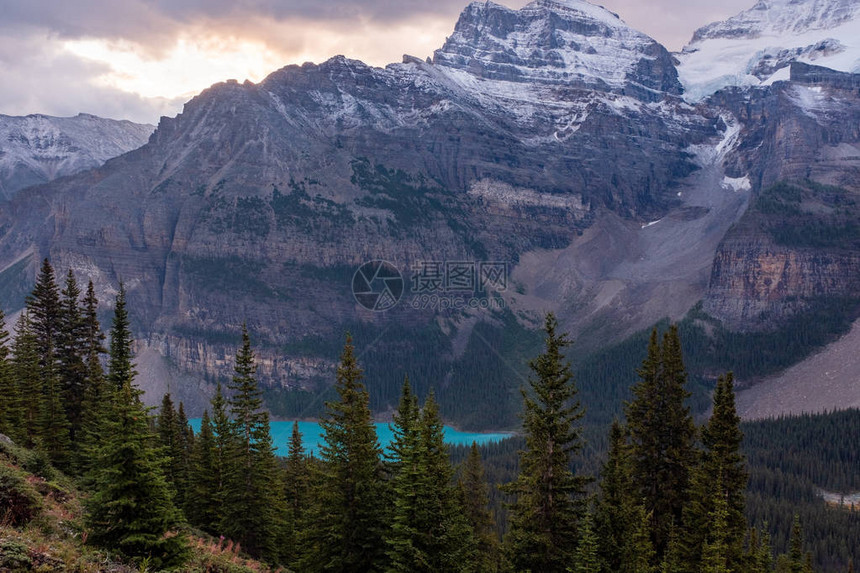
(312, 435)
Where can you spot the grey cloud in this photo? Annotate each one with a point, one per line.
(150, 22)
(672, 22)
(146, 20)
(131, 20)
(36, 79)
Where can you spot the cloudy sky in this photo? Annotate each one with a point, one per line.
(140, 59)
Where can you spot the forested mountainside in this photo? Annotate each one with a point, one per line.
(672, 494)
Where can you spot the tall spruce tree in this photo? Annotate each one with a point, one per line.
(45, 312)
(211, 468)
(587, 558)
(662, 437)
(27, 372)
(721, 460)
(171, 439)
(550, 499)
(131, 509)
(616, 506)
(297, 493)
(429, 528)
(643, 556)
(716, 549)
(796, 558)
(11, 405)
(186, 445)
(253, 504)
(403, 545)
(71, 354)
(349, 519)
(225, 444)
(98, 394)
(759, 554)
(203, 479)
(476, 502)
(405, 429)
(120, 365)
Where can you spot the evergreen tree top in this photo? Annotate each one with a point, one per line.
(120, 366)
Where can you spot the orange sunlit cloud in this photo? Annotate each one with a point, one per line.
(200, 59)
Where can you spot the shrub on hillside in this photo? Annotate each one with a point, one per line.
(20, 502)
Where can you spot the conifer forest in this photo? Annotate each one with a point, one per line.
(664, 495)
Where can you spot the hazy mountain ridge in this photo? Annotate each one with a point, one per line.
(36, 149)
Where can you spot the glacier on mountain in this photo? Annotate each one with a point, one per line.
(757, 46)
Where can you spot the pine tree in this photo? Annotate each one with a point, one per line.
(71, 349)
(587, 558)
(614, 522)
(297, 493)
(405, 429)
(764, 555)
(721, 460)
(185, 447)
(429, 530)
(98, 394)
(93, 336)
(253, 505)
(120, 363)
(211, 468)
(200, 509)
(642, 556)
(476, 503)
(170, 437)
(445, 533)
(662, 437)
(717, 550)
(225, 443)
(402, 542)
(346, 531)
(131, 510)
(11, 405)
(26, 370)
(795, 547)
(549, 502)
(45, 312)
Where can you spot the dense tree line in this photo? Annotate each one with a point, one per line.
(670, 496)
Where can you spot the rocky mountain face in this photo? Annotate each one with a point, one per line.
(38, 148)
(560, 42)
(552, 140)
(796, 244)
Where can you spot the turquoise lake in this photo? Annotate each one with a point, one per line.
(312, 435)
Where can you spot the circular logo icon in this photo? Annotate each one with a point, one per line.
(377, 285)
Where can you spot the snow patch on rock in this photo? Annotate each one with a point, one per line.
(737, 183)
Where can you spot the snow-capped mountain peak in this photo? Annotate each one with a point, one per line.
(566, 42)
(38, 148)
(757, 46)
(781, 17)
